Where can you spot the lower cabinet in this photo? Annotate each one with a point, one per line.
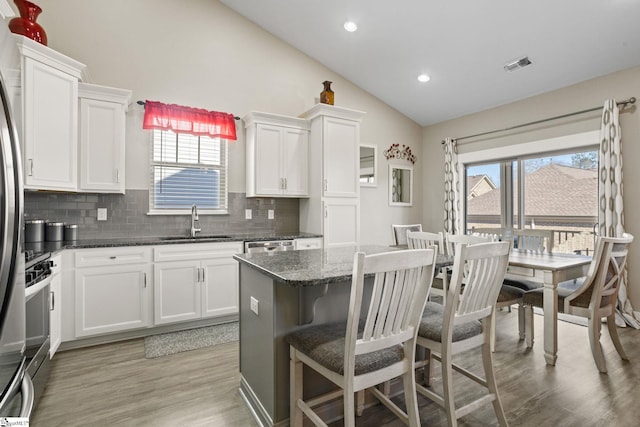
(195, 281)
(112, 290)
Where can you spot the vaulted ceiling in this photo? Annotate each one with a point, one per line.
(463, 45)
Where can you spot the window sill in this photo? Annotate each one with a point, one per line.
(154, 212)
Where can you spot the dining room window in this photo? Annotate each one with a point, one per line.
(555, 190)
(187, 170)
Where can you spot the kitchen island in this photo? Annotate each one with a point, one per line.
(288, 291)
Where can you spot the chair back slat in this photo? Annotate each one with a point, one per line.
(451, 240)
(483, 266)
(424, 239)
(401, 286)
(533, 240)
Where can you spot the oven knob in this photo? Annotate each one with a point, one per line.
(29, 276)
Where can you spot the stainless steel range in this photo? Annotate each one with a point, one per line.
(39, 304)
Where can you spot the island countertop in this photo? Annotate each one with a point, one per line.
(315, 266)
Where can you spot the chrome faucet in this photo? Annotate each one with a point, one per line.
(195, 222)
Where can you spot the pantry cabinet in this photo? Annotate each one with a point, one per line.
(102, 115)
(333, 206)
(195, 281)
(277, 155)
(49, 117)
(112, 290)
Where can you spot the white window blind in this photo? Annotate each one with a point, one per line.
(187, 170)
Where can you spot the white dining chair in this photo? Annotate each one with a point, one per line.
(376, 344)
(464, 323)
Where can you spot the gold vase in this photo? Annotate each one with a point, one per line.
(326, 96)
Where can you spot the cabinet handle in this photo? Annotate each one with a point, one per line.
(202, 274)
(285, 183)
(118, 176)
(53, 300)
(112, 257)
(144, 280)
(325, 185)
(326, 212)
(30, 167)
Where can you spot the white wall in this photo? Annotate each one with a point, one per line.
(582, 96)
(202, 54)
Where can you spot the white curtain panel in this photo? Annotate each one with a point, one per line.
(610, 210)
(452, 188)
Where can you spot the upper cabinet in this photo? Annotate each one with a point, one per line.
(49, 117)
(72, 133)
(277, 155)
(102, 115)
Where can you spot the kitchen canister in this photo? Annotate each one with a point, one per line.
(54, 231)
(34, 231)
(70, 232)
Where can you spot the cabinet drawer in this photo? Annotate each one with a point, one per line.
(104, 257)
(196, 251)
(313, 243)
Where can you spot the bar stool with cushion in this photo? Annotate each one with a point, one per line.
(465, 323)
(376, 344)
(399, 232)
(592, 297)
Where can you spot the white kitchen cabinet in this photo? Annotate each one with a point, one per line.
(49, 117)
(195, 281)
(112, 288)
(333, 206)
(102, 115)
(277, 155)
(308, 243)
(55, 305)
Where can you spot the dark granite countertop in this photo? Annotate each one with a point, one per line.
(315, 266)
(164, 240)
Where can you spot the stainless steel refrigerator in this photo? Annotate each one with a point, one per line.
(16, 389)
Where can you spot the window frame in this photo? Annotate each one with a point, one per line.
(224, 168)
(574, 142)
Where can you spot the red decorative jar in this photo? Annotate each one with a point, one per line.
(26, 24)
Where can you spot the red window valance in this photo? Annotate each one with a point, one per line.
(195, 121)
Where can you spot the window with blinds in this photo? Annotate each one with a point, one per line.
(188, 170)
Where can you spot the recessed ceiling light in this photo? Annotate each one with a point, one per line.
(424, 78)
(350, 26)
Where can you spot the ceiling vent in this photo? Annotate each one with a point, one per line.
(518, 64)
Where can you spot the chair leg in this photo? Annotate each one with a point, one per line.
(427, 371)
(528, 325)
(487, 360)
(447, 386)
(360, 403)
(295, 387)
(410, 398)
(492, 335)
(521, 321)
(349, 407)
(596, 347)
(613, 332)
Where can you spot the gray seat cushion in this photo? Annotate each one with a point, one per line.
(325, 345)
(431, 325)
(535, 297)
(510, 293)
(526, 285)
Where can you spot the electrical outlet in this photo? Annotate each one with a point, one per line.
(271, 214)
(254, 305)
(102, 214)
(247, 214)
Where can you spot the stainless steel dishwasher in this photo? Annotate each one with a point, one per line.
(268, 246)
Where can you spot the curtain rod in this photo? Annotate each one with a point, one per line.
(142, 103)
(631, 100)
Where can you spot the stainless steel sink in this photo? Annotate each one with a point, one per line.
(198, 237)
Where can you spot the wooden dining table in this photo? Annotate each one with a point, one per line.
(549, 269)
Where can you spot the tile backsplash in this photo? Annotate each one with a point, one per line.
(127, 215)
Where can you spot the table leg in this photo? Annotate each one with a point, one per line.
(550, 304)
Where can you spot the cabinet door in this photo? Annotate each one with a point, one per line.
(295, 161)
(220, 287)
(341, 225)
(102, 137)
(50, 125)
(341, 157)
(110, 299)
(55, 315)
(176, 292)
(269, 179)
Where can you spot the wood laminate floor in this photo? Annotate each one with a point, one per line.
(115, 385)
